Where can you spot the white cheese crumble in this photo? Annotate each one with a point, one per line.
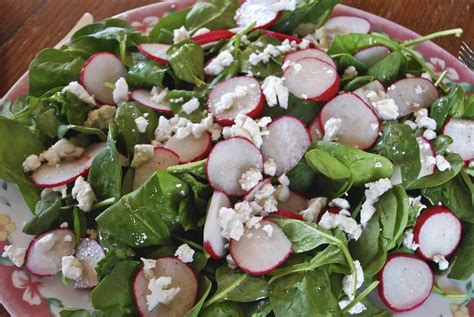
(190, 106)
(67, 238)
(320, 38)
(314, 208)
(141, 154)
(423, 121)
(284, 180)
(331, 129)
(266, 198)
(180, 34)
(141, 124)
(443, 264)
(340, 202)
(148, 267)
(160, 293)
(228, 99)
(101, 118)
(46, 243)
(268, 230)
(184, 253)
(83, 193)
(429, 134)
(275, 92)
(217, 64)
(269, 167)
(411, 124)
(15, 254)
(120, 92)
(350, 72)
(348, 280)
(158, 95)
(442, 164)
(386, 109)
(182, 127)
(230, 262)
(342, 220)
(244, 126)
(419, 90)
(282, 193)
(408, 240)
(272, 51)
(61, 150)
(231, 223)
(284, 5)
(31, 163)
(71, 267)
(372, 194)
(357, 309)
(250, 178)
(64, 225)
(80, 92)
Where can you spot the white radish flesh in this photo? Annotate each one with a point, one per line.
(251, 103)
(228, 160)
(144, 97)
(344, 25)
(412, 94)
(251, 194)
(437, 232)
(262, 12)
(315, 131)
(405, 282)
(214, 243)
(154, 51)
(258, 252)
(46, 261)
(190, 148)
(162, 159)
(360, 125)
(294, 203)
(309, 52)
(372, 55)
(181, 276)
(427, 157)
(98, 70)
(372, 86)
(286, 143)
(89, 253)
(462, 133)
(311, 78)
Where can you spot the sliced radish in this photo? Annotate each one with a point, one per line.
(344, 25)
(213, 36)
(360, 124)
(332, 210)
(44, 259)
(288, 214)
(293, 57)
(462, 133)
(286, 143)
(372, 55)
(66, 172)
(281, 36)
(154, 51)
(311, 78)
(214, 243)
(405, 282)
(251, 194)
(89, 253)
(228, 160)
(144, 97)
(437, 232)
(250, 103)
(97, 71)
(190, 148)
(412, 94)
(427, 157)
(372, 86)
(315, 131)
(262, 12)
(294, 203)
(162, 159)
(181, 276)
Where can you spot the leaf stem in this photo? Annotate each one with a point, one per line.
(221, 295)
(104, 203)
(445, 294)
(441, 77)
(456, 32)
(360, 297)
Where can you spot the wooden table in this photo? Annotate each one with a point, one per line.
(30, 25)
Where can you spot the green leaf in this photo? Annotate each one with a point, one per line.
(389, 69)
(215, 14)
(113, 312)
(305, 110)
(197, 168)
(186, 59)
(261, 70)
(114, 256)
(223, 309)
(463, 266)
(358, 82)
(353, 42)
(145, 73)
(162, 32)
(66, 130)
(302, 177)
(46, 115)
(47, 213)
(204, 289)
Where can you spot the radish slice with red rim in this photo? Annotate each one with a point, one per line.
(213, 36)
(162, 159)
(315, 131)
(412, 94)
(286, 143)
(294, 203)
(99, 69)
(45, 251)
(262, 12)
(372, 55)
(282, 36)
(181, 276)
(372, 86)
(405, 282)
(311, 78)
(344, 25)
(144, 97)
(293, 57)
(360, 125)
(251, 102)
(214, 243)
(251, 194)
(427, 157)
(228, 160)
(462, 133)
(288, 214)
(437, 232)
(89, 253)
(154, 51)
(190, 148)
(259, 252)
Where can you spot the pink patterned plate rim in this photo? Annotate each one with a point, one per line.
(25, 295)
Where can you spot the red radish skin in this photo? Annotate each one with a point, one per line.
(372, 55)
(190, 148)
(181, 276)
(251, 194)
(332, 210)
(448, 228)
(213, 36)
(315, 131)
(293, 57)
(345, 24)
(288, 214)
(99, 69)
(281, 36)
(143, 97)
(409, 98)
(382, 290)
(360, 124)
(312, 79)
(258, 11)
(214, 243)
(373, 85)
(162, 159)
(260, 254)
(154, 51)
(286, 143)
(462, 133)
(295, 202)
(228, 160)
(251, 105)
(89, 253)
(39, 263)
(427, 152)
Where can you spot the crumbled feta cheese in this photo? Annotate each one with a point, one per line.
(160, 293)
(320, 38)
(419, 90)
(83, 193)
(141, 154)
(297, 68)
(442, 164)
(230, 262)
(158, 95)
(254, 221)
(228, 99)
(231, 223)
(142, 124)
(164, 130)
(269, 167)
(31, 163)
(275, 92)
(250, 178)
(342, 220)
(217, 64)
(268, 230)
(61, 150)
(282, 193)
(100, 118)
(15, 254)
(423, 121)
(284, 180)
(201, 31)
(284, 5)
(120, 92)
(408, 240)
(372, 193)
(244, 126)
(67, 238)
(46, 243)
(357, 309)
(386, 109)
(64, 225)
(348, 280)
(416, 203)
(71, 267)
(148, 267)
(340, 202)
(272, 51)
(350, 72)
(184, 253)
(443, 264)
(429, 134)
(411, 124)
(313, 209)
(180, 34)
(331, 129)
(80, 92)
(190, 106)
(265, 197)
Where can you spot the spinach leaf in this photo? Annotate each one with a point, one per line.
(197, 169)
(214, 14)
(463, 266)
(73, 109)
(177, 98)
(305, 110)
(202, 192)
(46, 116)
(66, 130)
(345, 60)
(162, 32)
(358, 82)
(205, 286)
(113, 312)
(12, 110)
(372, 310)
(302, 177)
(111, 258)
(389, 69)
(144, 72)
(47, 212)
(441, 144)
(223, 309)
(353, 42)
(261, 70)
(186, 59)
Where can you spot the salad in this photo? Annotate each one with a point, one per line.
(243, 160)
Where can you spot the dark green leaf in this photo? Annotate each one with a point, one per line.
(186, 59)
(145, 73)
(47, 213)
(214, 14)
(65, 130)
(162, 32)
(389, 69)
(204, 289)
(305, 110)
(224, 309)
(463, 266)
